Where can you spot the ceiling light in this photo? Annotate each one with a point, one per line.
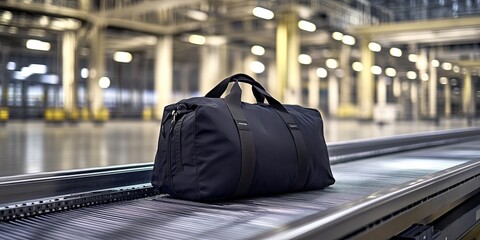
(307, 26)
(11, 66)
(411, 75)
(337, 36)
(304, 59)
(396, 52)
(321, 72)
(37, 45)
(123, 57)
(197, 39)
(357, 66)
(349, 40)
(456, 69)
(7, 16)
(412, 57)
(262, 13)
(104, 82)
(443, 80)
(257, 67)
(44, 21)
(197, 15)
(374, 47)
(257, 50)
(50, 79)
(37, 68)
(424, 77)
(447, 66)
(435, 63)
(331, 63)
(391, 72)
(84, 73)
(376, 70)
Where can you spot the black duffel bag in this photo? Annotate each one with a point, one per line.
(212, 148)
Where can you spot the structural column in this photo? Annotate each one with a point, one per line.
(333, 93)
(422, 65)
(467, 95)
(448, 100)
(247, 94)
(213, 66)
(163, 74)
(5, 53)
(366, 82)
(272, 80)
(288, 69)
(313, 89)
(97, 70)
(68, 73)
(382, 91)
(432, 88)
(346, 81)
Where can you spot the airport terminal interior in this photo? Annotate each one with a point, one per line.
(84, 84)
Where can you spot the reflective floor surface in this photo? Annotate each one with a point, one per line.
(32, 147)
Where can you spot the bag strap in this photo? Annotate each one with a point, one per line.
(218, 90)
(247, 143)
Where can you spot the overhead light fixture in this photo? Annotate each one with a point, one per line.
(443, 80)
(257, 67)
(377, 70)
(197, 39)
(391, 72)
(304, 59)
(7, 16)
(337, 36)
(331, 63)
(435, 63)
(349, 40)
(263, 13)
(321, 72)
(11, 66)
(257, 50)
(34, 44)
(50, 79)
(84, 73)
(37, 68)
(411, 75)
(447, 66)
(197, 15)
(357, 66)
(412, 57)
(456, 69)
(307, 26)
(396, 52)
(44, 21)
(104, 82)
(123, 57)
(374, 47)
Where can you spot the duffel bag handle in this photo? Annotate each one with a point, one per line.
(218, 90)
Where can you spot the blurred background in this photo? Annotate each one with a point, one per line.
(83, 83)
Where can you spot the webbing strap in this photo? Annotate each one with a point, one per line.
(247, 144)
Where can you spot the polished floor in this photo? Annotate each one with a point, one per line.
(33, 146)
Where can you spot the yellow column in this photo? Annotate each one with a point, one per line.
(313, 89)
(288, 69)
(467, 94)
(448, 100)
(366, 82)
(345, 107)
(432, 88)
(163, 74)
(422, 65)
(213, 66)
(68, 75)
(97, 71)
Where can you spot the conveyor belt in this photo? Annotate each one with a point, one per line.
(161, 217)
